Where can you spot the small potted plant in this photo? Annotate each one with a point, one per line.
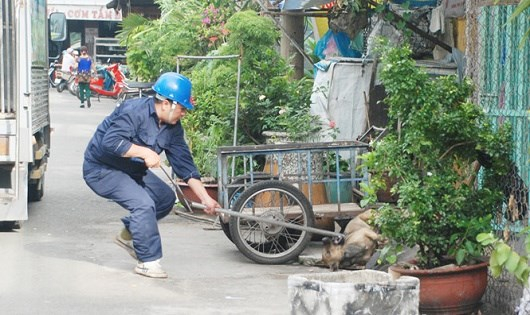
(436, 144)
(337, 170)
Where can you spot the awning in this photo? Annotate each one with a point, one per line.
(81, 11)
(303, 4)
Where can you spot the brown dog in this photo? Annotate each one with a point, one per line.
(355, 248)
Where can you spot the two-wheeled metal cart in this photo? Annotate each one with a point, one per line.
(271, 213)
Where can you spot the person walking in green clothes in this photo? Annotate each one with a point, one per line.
(84, 67)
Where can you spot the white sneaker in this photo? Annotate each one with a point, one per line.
(124, 240)
(150, 269)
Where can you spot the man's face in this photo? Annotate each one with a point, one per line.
(173, 112)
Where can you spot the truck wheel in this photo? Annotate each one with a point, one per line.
(9, 225)
(36, 190)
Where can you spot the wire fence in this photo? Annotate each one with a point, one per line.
(500, 68)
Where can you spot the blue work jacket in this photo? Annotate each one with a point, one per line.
(135, 122)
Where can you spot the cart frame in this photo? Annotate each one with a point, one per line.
(302, 172)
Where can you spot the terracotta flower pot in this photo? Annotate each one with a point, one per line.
(211, 189)
(449, 290)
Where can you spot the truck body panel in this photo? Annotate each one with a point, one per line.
(24, 106)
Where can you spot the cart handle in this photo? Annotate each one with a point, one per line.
(271, 221)
(196, 205)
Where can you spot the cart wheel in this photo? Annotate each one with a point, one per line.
(267, 243)
(233, 195)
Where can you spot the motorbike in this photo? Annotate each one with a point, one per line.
(108, 81)
(53, 74)
(66, 80)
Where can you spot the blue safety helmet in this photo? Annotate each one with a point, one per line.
(175, 87)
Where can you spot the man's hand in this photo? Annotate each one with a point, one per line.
(211, 205)
(151, 158)
(207, 201)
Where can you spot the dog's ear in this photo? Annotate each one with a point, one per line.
(338, 240)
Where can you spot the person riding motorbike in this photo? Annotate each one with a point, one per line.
(69, 63)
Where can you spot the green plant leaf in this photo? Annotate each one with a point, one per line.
(364, 202)
(460, 255)
(503, 252)
(512, 262)
(486, 238)
(494, 261)
(525, 276)
(470, 247)
(496, 271)
(487, 241)
(523, 5)
(521, 267)
(391, 259)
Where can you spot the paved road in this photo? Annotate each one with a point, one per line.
(63, 259)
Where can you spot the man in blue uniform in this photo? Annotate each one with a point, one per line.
(121, 152)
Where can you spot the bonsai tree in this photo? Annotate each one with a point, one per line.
(436, 145)
(269, 99)
(192, 27)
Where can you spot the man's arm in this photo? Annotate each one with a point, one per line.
(199, 190)
(150, 157)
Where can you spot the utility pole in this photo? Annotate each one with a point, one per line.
(292, 41)
(293, 30)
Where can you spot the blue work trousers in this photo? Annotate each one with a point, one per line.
(148, 200)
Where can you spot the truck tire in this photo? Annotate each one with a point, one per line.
(36, 190)
(9, 225)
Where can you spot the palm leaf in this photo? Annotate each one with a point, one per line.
(523, 5)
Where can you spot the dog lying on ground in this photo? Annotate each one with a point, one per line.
(356, 248)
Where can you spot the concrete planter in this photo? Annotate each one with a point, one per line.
(353, 292)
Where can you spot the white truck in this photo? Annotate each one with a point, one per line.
(24, 104)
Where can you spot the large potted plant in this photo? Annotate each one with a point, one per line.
(436, 145)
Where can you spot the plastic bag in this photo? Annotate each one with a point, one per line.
(335, 45)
